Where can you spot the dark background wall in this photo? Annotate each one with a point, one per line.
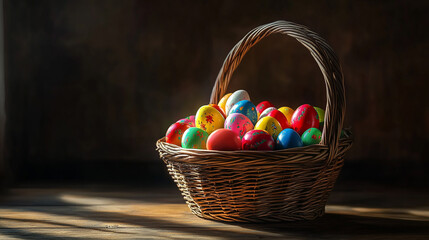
(91, 85)
(2, 99)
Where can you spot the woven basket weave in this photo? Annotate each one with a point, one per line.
(265, 186)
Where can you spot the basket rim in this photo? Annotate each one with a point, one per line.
(257, 152)
(302, 157)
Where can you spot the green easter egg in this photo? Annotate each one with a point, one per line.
(194, 138)
(311, 136)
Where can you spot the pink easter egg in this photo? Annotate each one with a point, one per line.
(238, 123)
(190, 120)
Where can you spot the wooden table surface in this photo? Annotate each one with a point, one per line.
(160, 213)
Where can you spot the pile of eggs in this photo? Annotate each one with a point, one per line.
(235, 123)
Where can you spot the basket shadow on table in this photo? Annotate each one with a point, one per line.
(330, 225)
(343, 218)
(343, 224)
(389, 223)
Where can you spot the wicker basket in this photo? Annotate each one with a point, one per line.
(265, 186)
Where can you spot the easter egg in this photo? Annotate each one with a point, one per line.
(266, 112)
(223, 100)
(224, 140)
(238, 123)
(235, 97)
(263, 105)
(188, 120)
(246, 108)
(194, 138)
(209, 119)
(219, 109)
(279, 116)
(175, 132)
(270, 125)
(288, 138)
(311, 136)
(304, 117)
(321, 115)
(257, 140)
(288, 112)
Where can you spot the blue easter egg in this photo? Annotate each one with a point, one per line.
(246, 108)
(288, 138)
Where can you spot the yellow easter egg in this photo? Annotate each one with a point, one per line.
(222, 102)
(209, 119)
(288, 112)
(270, 125)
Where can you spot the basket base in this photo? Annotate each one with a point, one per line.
(268, 218)
(254, 191)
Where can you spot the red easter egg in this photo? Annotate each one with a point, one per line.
(304, 117)
(258, 140)
(224, 140)
(263, 105)
(175, 132)
(219, 109)
(280, 117)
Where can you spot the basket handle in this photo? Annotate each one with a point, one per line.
(325, 58)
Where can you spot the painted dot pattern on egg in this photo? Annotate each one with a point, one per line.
(238, 123)
(246, 108)
(209, 119)
(311, 136)
(179, 133)
(270, 125)
(274, 130)
(258, 140)
(194, 138)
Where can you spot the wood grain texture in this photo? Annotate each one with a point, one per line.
(161, 214)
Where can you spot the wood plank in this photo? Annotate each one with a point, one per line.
(162, 214)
